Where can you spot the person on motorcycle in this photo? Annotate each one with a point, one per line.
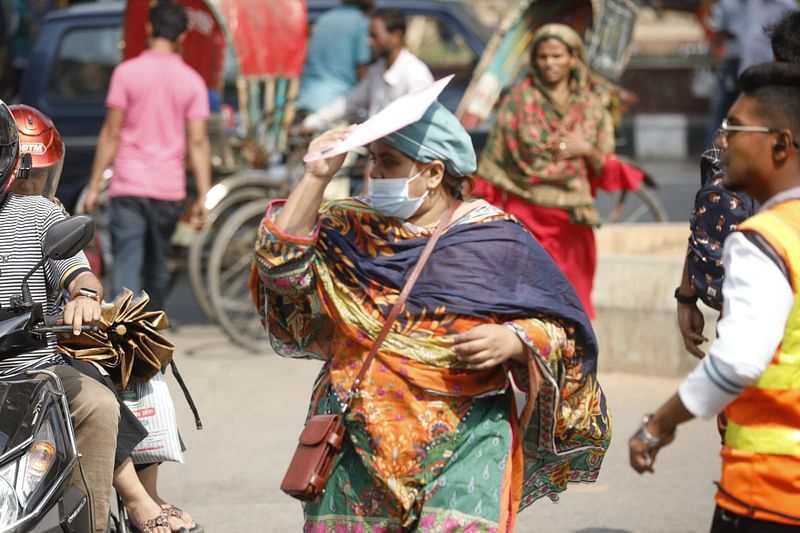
(24, 220)
(39, 137)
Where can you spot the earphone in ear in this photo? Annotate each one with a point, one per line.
(780, 145)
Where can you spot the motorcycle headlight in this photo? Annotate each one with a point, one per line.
(9, 505)
(41, 465)
(35, 464)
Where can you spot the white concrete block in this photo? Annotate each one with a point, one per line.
(638, 268)
(661, 136)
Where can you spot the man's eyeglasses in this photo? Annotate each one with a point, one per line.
(725, 131)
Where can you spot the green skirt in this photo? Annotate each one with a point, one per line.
(458, 490)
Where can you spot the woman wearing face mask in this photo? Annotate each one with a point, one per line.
(434, 440)
(552, 135)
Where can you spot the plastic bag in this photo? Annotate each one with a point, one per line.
(151, 403)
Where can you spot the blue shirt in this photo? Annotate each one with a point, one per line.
(730, 16)
(756, 46)
(338, 45)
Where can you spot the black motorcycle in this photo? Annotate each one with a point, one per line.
(38, 453)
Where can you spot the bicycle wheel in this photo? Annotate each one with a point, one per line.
(228, 273)
(628, 207)
(200, 247)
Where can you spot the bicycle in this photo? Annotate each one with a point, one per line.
(222, 201)
(229, 252)
(628, 207)
(229, 264)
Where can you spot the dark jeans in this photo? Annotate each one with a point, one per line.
(727, 90)
(141, 229)
(728, 522)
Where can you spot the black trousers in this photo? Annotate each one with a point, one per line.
(728, 522)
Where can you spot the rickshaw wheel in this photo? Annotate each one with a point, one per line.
(228, 273)
(628, 207)
(200, 247)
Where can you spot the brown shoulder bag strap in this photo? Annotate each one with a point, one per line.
(401, 300)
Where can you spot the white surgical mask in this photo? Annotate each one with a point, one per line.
(389, 196)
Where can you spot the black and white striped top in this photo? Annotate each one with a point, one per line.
(23, 223)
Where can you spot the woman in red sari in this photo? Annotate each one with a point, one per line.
(553, 133)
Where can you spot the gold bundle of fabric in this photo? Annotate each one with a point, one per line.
(129, 343)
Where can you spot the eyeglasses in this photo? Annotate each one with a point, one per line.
(724, 132)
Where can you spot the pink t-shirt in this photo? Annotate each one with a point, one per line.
(159, 93)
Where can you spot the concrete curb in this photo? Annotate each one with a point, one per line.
(638, 268)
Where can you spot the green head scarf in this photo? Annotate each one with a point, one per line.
(437, 136)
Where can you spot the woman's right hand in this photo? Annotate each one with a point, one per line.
(299, 214)
(325, 169)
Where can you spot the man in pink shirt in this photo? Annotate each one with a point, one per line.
(157, 112)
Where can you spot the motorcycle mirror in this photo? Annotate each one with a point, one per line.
(67, 237)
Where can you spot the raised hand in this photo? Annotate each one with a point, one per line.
(325, 169)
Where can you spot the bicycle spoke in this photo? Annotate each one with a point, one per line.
(234, 290)
(637, 214)
(241, 264)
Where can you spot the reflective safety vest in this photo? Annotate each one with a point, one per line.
(761, 456)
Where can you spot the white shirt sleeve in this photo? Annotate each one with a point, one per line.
(757, 303)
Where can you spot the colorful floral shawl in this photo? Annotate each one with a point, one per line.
(516, 158)
(325, 296)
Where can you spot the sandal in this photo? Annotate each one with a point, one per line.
(177, 512)
(148, 526)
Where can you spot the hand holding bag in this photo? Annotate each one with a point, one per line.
(323, 435)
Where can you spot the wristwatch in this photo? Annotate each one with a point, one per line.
(682, 299)
(87, 293)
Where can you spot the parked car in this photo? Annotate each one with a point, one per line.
(78, 48)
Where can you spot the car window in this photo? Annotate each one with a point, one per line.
(437, 44)
(84, 63)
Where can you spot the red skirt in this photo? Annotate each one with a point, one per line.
(571, 245)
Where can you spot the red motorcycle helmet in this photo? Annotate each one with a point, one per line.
(39, 138)
(10, 157)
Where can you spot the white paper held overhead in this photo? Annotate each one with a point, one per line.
(401, 112)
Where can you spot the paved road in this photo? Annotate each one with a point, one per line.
(253, 408)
